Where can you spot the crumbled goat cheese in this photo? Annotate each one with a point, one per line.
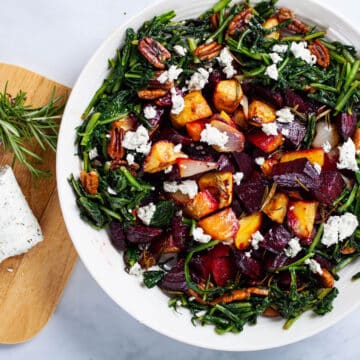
(149, 112)
(270, 128)
(272, 72)
(137, 140)
(93, 153)
(326, 146)
(317, 168)
(213, 136)
(338, 228)
(146, 213)
(225, 60)
(280, 48)
(248, 254)
(180, 50)
(314, 266)
(300, 51)
(177, 148)
(177, 101)
(170, 75)
(256, 239)
(168, 169)
(136, 270)
(111, 191)
(238, 177)
(130, 158)
(187, 187)
(347, 156)
(259, 160)
(10, 270)
(285, 116)
(19, 229)
(293, 247)
(198, 79)
(199, 235)
(285, 132)
(275, 57)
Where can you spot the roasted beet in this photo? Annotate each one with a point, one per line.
(155, 121)
(117, 235)
(170, 134)
(140, 234)
(214, 78)
(274, 261)
(180, 231)
(247, 265)
(292, 99)
(265, 93)
(276, 239)
(201, 152)
(294, 132)
(237, 208)
(251, 192)
(331, 186)
(245, 163)
(225, 163)
(346, 124)
(293, 174)
(174, 280)
(222, 270)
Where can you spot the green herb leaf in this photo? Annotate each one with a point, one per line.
(163, 214)
(152, 277)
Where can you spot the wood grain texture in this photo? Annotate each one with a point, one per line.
(31, 284)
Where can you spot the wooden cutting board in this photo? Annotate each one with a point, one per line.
(31, 284)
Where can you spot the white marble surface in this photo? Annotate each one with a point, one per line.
(56, 39)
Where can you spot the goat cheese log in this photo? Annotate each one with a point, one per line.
(19, 229)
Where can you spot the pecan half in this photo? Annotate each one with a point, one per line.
(327, 280)
(155, 53)
(321, 52)
(115, 164)
(208, 51)
(151, 94)
(90, 181)
(296, 25)
(115, 149)
(239, 22)
(214, 21)
(357, 139)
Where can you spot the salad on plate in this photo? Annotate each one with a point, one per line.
(222, 155)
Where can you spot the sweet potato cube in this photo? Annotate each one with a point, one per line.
(315, 156)
(269, 24)
(301, 217)
(180, 198)
(261, 113)
(195, 128)
(220, 185)
(201, 205)
(161, 156)
(195, 108)
(276, 208)
(227, 95)
(220, 226)
(248, 225)
(240, 119)
(267, 143)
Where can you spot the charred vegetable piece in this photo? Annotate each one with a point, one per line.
(298, 174)
(161, 156)
(188, 167)
(330, 188)
(266, 143)
(204, 203)
(227, 95)
(248, 226)
(315, 156)
(276, 208)
(251, 192)
(261, 113)
(220, 226)
(346, 123)
(195, 108)
(301, 217)
(220, 185)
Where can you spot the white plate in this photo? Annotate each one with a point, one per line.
(106, 264)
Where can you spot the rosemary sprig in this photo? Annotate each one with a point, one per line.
(21, 126)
